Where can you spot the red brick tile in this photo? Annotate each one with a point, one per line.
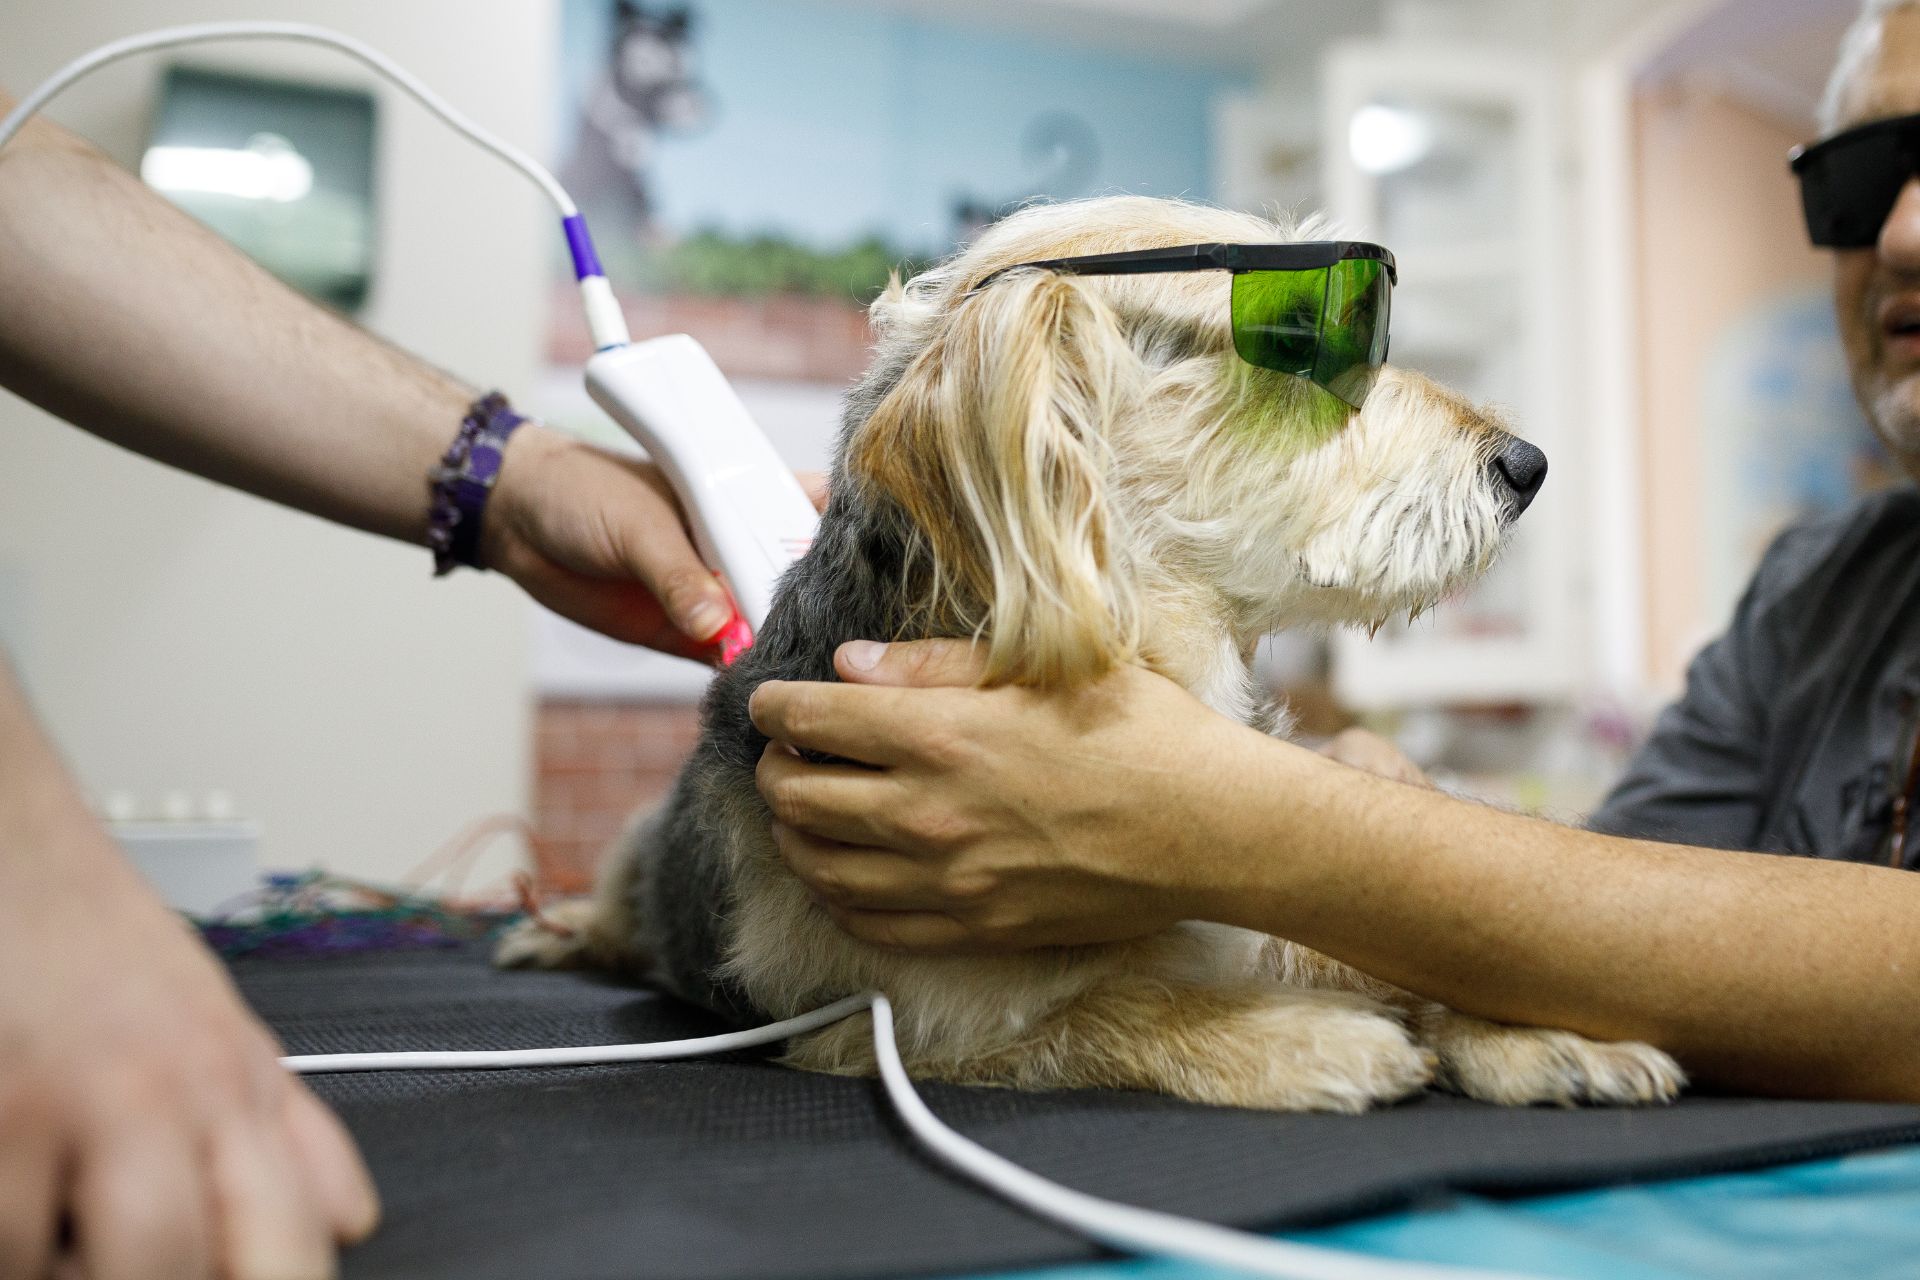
(597, 764)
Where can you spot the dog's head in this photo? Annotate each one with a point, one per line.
(1074, 453)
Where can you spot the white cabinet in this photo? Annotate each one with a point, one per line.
(1453, 158)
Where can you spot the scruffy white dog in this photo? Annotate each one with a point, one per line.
(1082, 471)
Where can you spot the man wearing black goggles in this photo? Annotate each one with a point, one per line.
(1850, 182)
(1858, 192)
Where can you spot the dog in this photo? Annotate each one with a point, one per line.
(1080, 471)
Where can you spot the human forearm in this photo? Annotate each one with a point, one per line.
(1758, 972)
(126, 317)
(1004, 818)
(46, 831)
(128, 1061)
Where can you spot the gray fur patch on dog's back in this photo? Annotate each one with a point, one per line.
(846, 588)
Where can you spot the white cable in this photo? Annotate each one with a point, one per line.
(605, 321)
(200, 32)
(1124, 1227)
(588, 1055)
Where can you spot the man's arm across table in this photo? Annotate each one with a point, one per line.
(984, 819)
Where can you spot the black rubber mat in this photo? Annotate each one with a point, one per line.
(737, 1168)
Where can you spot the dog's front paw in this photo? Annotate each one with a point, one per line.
(555, 939)
(1345, 1054)
(1519, 1066)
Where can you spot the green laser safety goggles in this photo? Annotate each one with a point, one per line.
(1317, 310)
(1850, 182)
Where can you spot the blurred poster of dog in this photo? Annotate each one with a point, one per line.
(754, 169)
(645, 91)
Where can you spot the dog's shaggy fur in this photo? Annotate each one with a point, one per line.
(1080, 471)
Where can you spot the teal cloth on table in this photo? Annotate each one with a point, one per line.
(1858, 1216)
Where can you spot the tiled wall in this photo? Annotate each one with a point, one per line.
(595, 763)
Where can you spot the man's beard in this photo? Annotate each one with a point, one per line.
(1896, 419)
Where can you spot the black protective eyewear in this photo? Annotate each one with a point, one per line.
(1318, 310)
(1850, 182)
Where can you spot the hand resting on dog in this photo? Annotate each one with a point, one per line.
(1001, 818)
(969, 835)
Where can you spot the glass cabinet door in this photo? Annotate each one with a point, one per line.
(1452, 160)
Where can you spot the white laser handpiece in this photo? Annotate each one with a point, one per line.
(750, 517)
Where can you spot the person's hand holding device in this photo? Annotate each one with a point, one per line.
(600, 539)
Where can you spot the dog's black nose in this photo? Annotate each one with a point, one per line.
(1523, 467)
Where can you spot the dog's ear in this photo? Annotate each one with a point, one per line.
(898, 309)
(995, 444)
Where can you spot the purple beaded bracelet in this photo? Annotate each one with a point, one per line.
(462, 481)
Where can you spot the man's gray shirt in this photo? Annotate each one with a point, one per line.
(1798, 723)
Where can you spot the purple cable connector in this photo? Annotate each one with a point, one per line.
(604, 319)
(585, 261)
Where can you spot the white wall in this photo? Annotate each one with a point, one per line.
(175, 635)
(1564, 28)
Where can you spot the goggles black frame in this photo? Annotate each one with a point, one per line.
(1849, 183)
(1329, 338)
(1304, 255)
